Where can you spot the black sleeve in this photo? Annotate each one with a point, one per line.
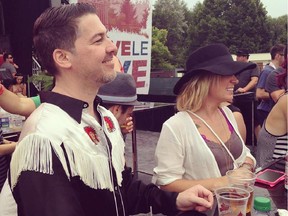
(234, 108)
(140, 197)
(46, 195)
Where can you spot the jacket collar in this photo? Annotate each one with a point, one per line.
(72, 106)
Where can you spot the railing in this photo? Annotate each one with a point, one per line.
(36, 70)
(36, 67)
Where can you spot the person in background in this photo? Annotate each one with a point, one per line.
(8, 63)
(6, 149)
(265, 102)
(8, 76)
(275, 91)
(201, 142)
(248, 78)
(273, 136)
(1, 56)
(120, 97)
(11, 60)
(247, 83)
(11, 103)
(18, 87)
(84, 172)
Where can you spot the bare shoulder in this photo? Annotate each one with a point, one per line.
(278, 114)
(283, 98)
(282, 104)
(279, 111)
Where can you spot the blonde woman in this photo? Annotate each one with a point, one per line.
(200, 143)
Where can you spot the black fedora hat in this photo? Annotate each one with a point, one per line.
(121, 91)
(214, 58)
(242, 52)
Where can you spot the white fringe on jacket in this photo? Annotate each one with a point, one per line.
(49, 127)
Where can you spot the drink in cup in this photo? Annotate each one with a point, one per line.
(244, 180)
(232, 201)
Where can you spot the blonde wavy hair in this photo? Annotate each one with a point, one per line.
(193, 92)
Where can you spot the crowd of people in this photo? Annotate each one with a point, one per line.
(263, 91)
(70, 159)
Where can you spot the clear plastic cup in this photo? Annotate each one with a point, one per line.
(232, 201)
(245, 180)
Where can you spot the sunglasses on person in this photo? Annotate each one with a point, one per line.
(10, 57)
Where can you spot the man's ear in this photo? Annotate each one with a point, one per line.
(116, 110)
(61, 58)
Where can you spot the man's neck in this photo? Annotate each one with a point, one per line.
(274, 64)
(77, 92)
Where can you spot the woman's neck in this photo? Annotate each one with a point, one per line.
(208, 110)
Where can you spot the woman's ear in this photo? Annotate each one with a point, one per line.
(61, 58)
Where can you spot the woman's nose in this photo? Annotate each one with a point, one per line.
(235, 80)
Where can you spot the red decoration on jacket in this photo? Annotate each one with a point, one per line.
(109, 124)
(92, 134)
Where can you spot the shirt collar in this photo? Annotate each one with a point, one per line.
(72, 106)
(272, 65)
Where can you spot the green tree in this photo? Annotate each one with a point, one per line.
(170, 15)
(236, 23)
(278, 28)
(160, 56)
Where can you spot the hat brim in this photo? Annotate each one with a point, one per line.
(223, 69)
(131, 103)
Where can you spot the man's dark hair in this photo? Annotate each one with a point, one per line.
(123, 110)
(6, 55)
(282, 77)
(276, 49)
(243, 52)
(56, 28)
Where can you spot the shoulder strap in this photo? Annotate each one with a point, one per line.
(208, 126)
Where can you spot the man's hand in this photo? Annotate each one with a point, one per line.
(16, 66)
(195, 198)
(128, 126)
(240, 90)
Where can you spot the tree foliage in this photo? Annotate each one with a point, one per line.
(278, 28)
(170, 15)
(161, 55)
(235, 23)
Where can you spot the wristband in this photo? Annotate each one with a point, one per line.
(2, 89)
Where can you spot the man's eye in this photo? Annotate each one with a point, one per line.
(98, 40)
